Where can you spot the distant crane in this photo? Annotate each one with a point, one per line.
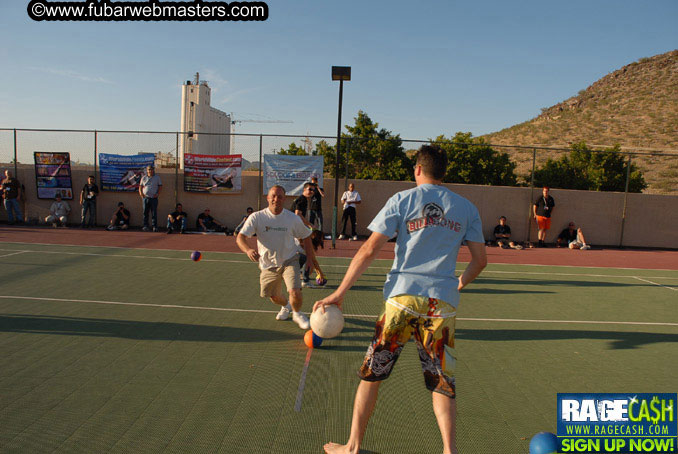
(233, 122)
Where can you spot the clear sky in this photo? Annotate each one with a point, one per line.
(420, 69)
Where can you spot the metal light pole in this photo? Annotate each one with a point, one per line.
(340, 73)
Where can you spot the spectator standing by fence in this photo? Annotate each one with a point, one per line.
(351, 199)
(543, 209)
(317, 204)
(149, 190)
(88, 202)
(11, 193)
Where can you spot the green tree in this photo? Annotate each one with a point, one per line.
(375, 154)
(294, 150)
(328, 152)
(593, 170)
(472, 161)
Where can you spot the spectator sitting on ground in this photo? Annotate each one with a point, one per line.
(58, 212)
(502, 234)
(120, 219)
(206, 223)
(574, 238)
(250, 210)
(176, 220)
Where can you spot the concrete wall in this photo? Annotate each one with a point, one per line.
(650, 219)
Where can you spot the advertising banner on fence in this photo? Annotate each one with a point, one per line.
(53, 175)
(291, 172)
(123, 173)
(617, 423)
(216, 174)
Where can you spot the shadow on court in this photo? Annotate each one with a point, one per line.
(73, 326)
(619, 339)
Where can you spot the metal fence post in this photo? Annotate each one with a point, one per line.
(95, 156)
(626, 197)
(16, 160)
(96, 213)
(176, 171)
(348, 149)
(529, 209)
(261, 164)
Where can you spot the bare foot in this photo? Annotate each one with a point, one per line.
(335, 448)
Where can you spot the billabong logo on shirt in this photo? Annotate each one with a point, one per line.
(432, 215)
(276, 229)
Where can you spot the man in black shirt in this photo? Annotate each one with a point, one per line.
(301, 203)
(206, 223)
(542, 210)
(573, 237)
(88, 201)
(176, 220)
(317, 204)
(11, 193)
(120, 219)
(502, 233)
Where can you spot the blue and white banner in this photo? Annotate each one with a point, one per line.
(123, 173)
(618, 423)
(291, 172)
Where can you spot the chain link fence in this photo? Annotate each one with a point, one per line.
(660, 169)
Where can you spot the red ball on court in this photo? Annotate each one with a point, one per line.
(312, 340)
(196, 256)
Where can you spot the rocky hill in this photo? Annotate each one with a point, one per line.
(635, 107)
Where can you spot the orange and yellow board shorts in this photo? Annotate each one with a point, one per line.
(431, 322)
(543, 222)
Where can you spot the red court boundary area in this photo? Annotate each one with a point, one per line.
(598, 257)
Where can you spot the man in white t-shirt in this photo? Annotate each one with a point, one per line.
(277, 254)
(351, 198)
(421, 291)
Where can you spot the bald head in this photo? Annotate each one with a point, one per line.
(276, 199)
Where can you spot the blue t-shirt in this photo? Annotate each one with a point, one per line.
(431, 223)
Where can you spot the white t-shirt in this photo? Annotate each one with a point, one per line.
(349, 197)
(275, 236)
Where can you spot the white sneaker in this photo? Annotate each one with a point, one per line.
(355, 238)
(585, 247)
(145, 229)
(304, 284)
(284, 313)
(342, 237)
(301, 320)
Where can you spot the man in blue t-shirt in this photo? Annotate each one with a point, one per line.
(421, 292)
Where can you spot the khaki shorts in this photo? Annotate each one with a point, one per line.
(271, 279)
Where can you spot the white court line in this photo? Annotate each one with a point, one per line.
(654, 283)
(223, 309)
(522, 273)
(340, 258)
(16, 253)
(302, 381)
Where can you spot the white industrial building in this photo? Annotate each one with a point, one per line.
(198, 118)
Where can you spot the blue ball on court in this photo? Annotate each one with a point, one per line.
(196, 256)
(312, 340)
(544, 443)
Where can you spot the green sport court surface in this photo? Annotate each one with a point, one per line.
(144, 351)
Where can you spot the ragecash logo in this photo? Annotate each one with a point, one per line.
(618, 423)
